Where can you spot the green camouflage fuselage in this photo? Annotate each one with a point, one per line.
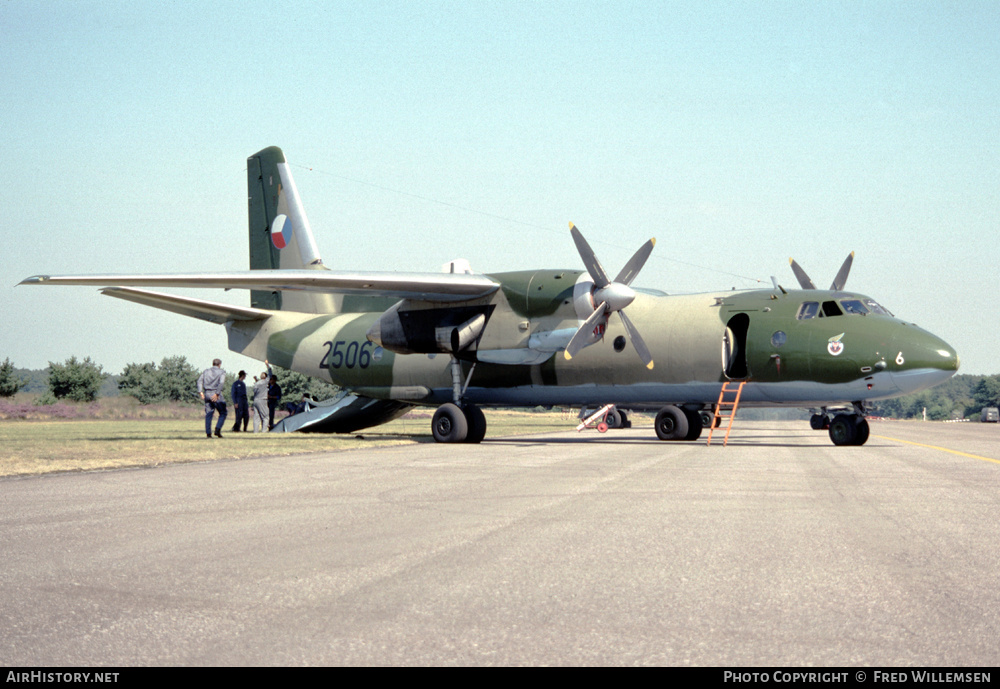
(697, 342)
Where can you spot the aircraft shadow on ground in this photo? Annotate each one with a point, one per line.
(781, 439)
(777, 438)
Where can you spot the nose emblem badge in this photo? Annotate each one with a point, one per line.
(835, 346)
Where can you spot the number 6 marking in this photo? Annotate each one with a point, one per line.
(899, 359)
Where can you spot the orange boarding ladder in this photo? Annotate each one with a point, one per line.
(726, 405)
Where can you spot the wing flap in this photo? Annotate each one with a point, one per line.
(436, 287)
(210, 311)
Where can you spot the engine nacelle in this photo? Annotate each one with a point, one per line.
(425, 331)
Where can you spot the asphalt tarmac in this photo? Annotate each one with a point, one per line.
(571, 549)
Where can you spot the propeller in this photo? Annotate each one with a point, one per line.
(838, 282)
(610, 296)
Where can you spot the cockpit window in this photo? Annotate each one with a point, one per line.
(830, 308)
(809, 309)
(854, 306)
(877, 308)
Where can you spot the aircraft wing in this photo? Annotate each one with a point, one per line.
(438, 287)
(210, 311)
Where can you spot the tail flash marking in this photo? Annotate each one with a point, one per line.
(281, 232)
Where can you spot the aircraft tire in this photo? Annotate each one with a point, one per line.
(477, 424)
(707, 418)
(818, 422)
(844, 429)
(695, 424)
(862, 430)
(449, 424)
(613, 419)
(625, 423)
(671, 423)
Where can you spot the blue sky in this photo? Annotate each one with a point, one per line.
(737, 134)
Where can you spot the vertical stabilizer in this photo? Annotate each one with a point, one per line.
(280, 237)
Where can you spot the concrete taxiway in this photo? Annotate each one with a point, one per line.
(779, 549)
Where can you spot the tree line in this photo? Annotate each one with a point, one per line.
(174, 380)
(961, 397)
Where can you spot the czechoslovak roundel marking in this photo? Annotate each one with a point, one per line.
(281, 231)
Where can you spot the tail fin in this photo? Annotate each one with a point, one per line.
(280, 237)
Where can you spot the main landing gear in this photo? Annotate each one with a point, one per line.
(456, 422)
(604, 418)
(819, 422)
(678, 423)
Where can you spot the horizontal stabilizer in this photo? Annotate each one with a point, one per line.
(439, 287)
(212, 312)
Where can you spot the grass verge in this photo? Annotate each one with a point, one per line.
(37, 447)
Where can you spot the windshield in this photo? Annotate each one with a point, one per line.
(854, 306)
(863, 306)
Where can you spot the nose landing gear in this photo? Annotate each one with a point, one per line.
(849, 429)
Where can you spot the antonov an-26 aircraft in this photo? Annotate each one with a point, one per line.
(461, 340)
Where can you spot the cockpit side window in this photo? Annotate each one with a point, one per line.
(854, 306)
(830, 308)
(809, 309)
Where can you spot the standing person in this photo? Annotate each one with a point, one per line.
(260, 402)
(239, 393)
(273, 399)
(210, 384)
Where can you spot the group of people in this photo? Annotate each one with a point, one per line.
(266, 398)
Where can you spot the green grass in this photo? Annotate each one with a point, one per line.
(43, 446)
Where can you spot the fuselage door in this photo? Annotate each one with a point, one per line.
(734, 347)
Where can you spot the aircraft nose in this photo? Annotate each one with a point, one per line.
(922, 359)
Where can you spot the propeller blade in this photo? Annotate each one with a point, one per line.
(590, 261)
(841, 279)
(635, 264)
(613, 296)
(640, 345)
(801, 276)
(583, 334)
